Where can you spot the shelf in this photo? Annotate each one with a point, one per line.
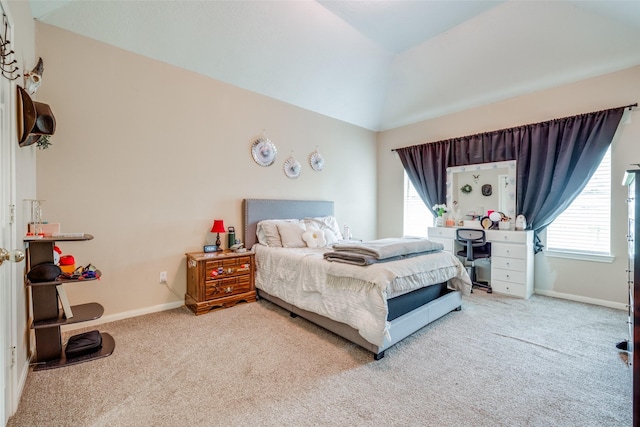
(61, 281)
(58, 238)
(81, 313)
(48, 317)
(108, 345)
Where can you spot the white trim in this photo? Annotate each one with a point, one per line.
(580, 256)
(22, 381)
(587, 300)
(125, 315)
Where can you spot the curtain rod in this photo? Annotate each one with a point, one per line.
(630, 106)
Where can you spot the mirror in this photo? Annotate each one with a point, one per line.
(476, 189)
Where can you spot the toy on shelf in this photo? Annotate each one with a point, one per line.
(67, 263)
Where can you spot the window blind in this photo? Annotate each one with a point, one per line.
(417, 217)
(585, 226)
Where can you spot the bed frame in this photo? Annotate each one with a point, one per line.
(255, 210)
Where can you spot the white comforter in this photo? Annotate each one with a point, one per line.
(351, 294)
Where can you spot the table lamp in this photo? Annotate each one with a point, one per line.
(218, 227)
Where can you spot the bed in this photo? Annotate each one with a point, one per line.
(334, 296)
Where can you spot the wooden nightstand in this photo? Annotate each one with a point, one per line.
(219, 279)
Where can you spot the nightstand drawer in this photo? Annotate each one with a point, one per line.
(228, 262)
(228, 286)
(228, 267)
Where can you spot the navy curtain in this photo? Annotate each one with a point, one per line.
(555, 161)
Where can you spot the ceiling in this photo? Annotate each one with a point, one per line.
(376, 64)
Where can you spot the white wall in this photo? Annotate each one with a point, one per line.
(146, 155)
(581, 280)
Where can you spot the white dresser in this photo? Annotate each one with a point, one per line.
(511, 258)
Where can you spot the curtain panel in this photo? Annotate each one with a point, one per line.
(555, 160)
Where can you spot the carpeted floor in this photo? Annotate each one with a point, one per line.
(498, 362)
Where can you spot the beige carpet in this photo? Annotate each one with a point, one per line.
(498, 362)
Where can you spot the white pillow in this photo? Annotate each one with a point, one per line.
(326, 224)
(329, 237)
(291, 234)
(260, 234)
(267, 231)
(314, 238)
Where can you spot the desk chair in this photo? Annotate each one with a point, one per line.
(475, 247)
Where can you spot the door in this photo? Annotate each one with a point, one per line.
(8, 270)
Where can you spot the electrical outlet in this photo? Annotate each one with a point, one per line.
(163, 277)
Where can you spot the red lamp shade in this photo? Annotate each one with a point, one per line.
(218, 226)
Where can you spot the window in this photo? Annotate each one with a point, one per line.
(584, 228)
(417, 217)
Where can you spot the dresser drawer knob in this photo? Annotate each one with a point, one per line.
(229, 289)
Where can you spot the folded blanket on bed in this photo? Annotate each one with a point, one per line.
(355, 258)
(390, 249)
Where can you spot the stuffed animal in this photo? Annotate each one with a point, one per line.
(56, 255)
(66, 262)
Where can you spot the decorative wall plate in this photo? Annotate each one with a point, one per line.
(263, 151)
(292, 167)
(316, 161)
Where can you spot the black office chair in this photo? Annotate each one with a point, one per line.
(475, 247)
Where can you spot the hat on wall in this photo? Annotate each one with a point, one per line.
(34, 119)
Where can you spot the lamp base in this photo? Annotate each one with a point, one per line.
(218, 243)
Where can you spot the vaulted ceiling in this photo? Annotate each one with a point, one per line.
(376, 64)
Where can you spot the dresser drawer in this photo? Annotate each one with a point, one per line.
(228, 262)
(228, 267)
(441, 232)
(506, 250)
(227, 286)
(514, 264)
(508, 276)
(509, 288)
(509, 236)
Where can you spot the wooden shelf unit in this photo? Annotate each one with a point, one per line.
(48, 317)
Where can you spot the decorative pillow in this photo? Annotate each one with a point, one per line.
(260, 234)
(267, 231)
(291, 234)
(329, 237)
(314, 238)
(329, 225)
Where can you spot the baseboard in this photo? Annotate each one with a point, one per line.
(22, 381)
(125, 315)
(578, 298)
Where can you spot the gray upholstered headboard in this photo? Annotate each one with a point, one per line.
(255, 210)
